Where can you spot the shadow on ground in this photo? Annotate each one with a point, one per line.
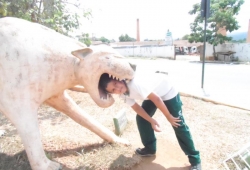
(148, 163)
(20, 160)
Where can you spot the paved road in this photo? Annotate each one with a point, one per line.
(225, 83)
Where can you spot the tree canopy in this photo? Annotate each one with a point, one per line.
(104, 40)
(56, 14)
(185, 37)
(84, 38)
(222, 16)
(126, 38)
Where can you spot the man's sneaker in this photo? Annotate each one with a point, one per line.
(144, 152)
(196, 167)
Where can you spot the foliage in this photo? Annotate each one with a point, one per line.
(126, 38)
(55, 14)
(84, 38)
(222, 16)
(104, 40)
(185, 37)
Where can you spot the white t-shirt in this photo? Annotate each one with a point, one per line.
(142, 85)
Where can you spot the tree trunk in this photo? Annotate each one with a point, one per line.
(39, 11)
(49, 7)
(215, 56)
(33, 14)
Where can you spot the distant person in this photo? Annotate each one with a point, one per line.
(157, 92)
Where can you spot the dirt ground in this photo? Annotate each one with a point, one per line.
(217, 132)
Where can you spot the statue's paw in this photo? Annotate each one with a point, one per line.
(122, 141)
(54, 166)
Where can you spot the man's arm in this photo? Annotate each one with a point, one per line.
(160, 105)
(140, 111)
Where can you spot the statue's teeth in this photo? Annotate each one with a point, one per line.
(109, 75)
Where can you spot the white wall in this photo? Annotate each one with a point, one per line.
(146, 51)
(242, 51)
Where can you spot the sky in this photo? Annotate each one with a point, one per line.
(112, 18)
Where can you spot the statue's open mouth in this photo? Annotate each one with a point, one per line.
(104, 95)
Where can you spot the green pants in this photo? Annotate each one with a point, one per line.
(182, 133)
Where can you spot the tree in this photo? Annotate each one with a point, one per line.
(222, 16)
(84, 38)
(185, 37)
(104, 40)
(126, 38)
(55, 14)
(122, 38)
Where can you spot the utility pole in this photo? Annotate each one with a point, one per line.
(205, 13)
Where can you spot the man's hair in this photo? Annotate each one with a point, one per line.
(104, 80)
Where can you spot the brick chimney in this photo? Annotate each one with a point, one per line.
(138, 31)
(248, 33)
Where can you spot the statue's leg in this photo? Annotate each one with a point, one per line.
(78, 88)
(64, 103)
(25, 120)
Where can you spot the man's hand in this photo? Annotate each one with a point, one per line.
(173, 121)
(161, 105)
(155, 125)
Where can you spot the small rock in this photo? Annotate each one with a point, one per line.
(2, 132)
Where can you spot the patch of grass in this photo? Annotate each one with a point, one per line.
(108, 156)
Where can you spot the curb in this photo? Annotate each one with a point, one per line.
(212, 101)
(222, 62)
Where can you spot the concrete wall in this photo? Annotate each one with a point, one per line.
(146, 51)
(242, 51)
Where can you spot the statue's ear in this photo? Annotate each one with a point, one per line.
(82, 53)
(133, 66)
